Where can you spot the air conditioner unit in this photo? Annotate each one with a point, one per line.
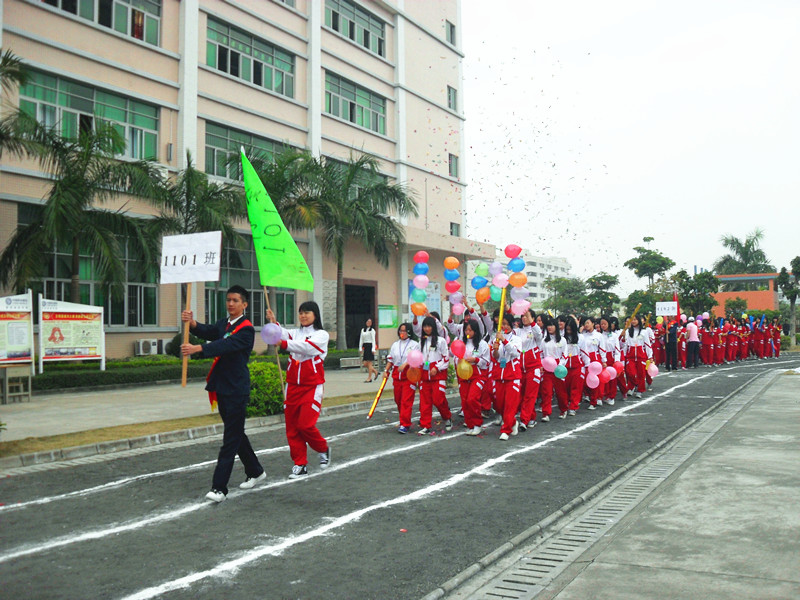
(162, 345)
(145, 347)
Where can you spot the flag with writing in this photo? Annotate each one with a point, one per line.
(280, 263)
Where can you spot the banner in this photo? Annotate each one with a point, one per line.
(16, 329)
(666, 309)
(70, 331)
(191, 257)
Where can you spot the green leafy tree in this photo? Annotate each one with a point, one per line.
(85, 176)
(648, 263)
(567, 295)
(600, 298)
(789, 282)
(647, 299)
(743, 257)
(734, 307)
(695, 292)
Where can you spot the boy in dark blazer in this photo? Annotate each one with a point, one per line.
(228, 383)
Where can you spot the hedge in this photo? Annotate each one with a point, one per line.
(266, 397)
(73, 378)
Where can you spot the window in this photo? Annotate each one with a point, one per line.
(238, 53)
(75, 107)
(453, 164)
(140, 19)
(450, 32)
(222, 145)
(353, 103)
(455, 229)
(353, 22)
(288, 2)
(452, 100)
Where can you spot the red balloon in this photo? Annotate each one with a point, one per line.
(619, 367)
(458, 348)
(452, 286)
(512, 251)
(413, 374)
(604, 377)
(421, 257)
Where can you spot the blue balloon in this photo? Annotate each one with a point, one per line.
(451, 274)
(421, 269)
(479, 282)
(516, 265)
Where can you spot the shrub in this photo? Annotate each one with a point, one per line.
(58, 379)
(174, 345)
(266, 396)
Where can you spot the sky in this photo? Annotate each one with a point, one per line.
(590, 125)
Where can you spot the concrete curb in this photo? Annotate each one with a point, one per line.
(539, 528)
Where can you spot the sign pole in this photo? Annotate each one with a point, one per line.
(185, 363)
(277, 354)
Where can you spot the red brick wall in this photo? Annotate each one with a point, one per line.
(764, 300)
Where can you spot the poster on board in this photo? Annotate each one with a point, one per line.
(16, 329)
(70, 331)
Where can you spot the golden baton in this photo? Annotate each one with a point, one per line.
(629, 319)
(378, 396)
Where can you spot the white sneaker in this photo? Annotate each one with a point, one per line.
(215, 496)
(591, 407)
(610, 402)
(545, 418)
(571, 413)
(298, 471)
(252, 481)
(522, 427)
(562, 415)
(532, 423)
(503, 437)
(448, 425)
(475, 431)
(424, 431)
(325, 458)
(498, 421)
(637, 394)
(515, 428)
(599, 403)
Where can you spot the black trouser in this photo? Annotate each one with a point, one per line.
(233, 410)
(692, 354)
(672, 356)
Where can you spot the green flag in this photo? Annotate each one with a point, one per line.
(280, 263)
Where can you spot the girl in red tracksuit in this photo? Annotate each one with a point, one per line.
(682, 346)
(609, 348)
(506, 374)
(706, 343)
(576, 363)
(531, 336)
(637, 349)
(719, 344)
(590, 342)
(478, 355)
(434, 377)
(777, 330)
(553, 346)
(308, 347)
(397, 366)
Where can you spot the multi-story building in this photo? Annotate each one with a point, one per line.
(337, 77)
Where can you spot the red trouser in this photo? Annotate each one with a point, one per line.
(706, 353)
(301, 411)
(531, 380)
(404, 398)
(486, 395)
(506, 393)
(574, 382)
(431, 393)
(550, 383)
(719, 354)
(682, 354)
(777, 349)
(744, 348)
(471, 391)
(731, 349)
(635, 371)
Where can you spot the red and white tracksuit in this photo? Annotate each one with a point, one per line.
(776, 337)
(682, 346)
(432, 387)
(637, 351)
(550, 383)
(506, 375)
(576, 362)
(531, 379)
(609, 346)
(305, 377)
(719, 346)
(471, 389)
(403, 389)
(590, 343)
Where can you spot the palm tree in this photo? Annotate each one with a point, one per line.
(85, 175)
(744, 257)
(357, 203)
(12, 75)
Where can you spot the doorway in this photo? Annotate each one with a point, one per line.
(359, 305)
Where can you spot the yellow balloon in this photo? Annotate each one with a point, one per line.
(659, 320)
(464, 369)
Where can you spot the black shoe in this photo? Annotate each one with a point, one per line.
(325, 458)
(298, 471)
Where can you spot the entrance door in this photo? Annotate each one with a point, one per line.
(359, 305)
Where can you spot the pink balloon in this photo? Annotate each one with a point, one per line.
(549, 364)
(421, 282)
(683, 318)
(652, 370)
(705, 315)
(518, 307)
(421, 257)
(604, 377)
(458, 348)
(271, 333)
(500, 280)
(512, 251)
(612, 372)
(592, 380)
(595, 367)
(458, 309)
(415, 359)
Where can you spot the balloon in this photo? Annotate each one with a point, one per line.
(464, 369)
(592, 381)
(517, 279)
(496, 293)
(421, 257)
(744, 315)
(479, 282)
(458, 309)
(612, 372)
(699, 321)
(560, 372)
(458, 348)
(652, 370)
(451, 274)
(519, 293)
(418, 295)
(595, 367)
(414, 374)
(421, 269)
(518, 307)
(683, 318)
(451, 262)
(619, 367)
(415, 359)
(604, 377)
(495, 268)
(419, 309)
(456, 298)
(271, 333)
(512, 251)
(500, 280)
(549, 364)
(705, 315)
(516, 265)
(482, 269)
(421, 281)
(452, 286)
(482, 295)
(659, 320)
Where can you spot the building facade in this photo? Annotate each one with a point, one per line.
(204, 77)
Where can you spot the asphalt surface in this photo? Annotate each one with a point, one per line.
(393, 517)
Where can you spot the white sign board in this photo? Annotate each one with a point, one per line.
(70, 331)
(16, 329)
(191, 257)
(666, 309)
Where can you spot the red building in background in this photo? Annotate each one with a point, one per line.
(757, 300)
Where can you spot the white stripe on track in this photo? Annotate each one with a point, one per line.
(231, 566)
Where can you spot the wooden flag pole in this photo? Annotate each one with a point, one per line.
(277, 355)
(185, 363)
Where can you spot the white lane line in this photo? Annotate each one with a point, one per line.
(230, 567)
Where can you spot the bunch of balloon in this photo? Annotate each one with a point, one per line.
(420, 282)
(415, 360)
(519, 293)
(463, 368)
(499, 281)
(480, 283)
(451, 274)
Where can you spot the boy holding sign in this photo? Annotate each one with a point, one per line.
(228, 384)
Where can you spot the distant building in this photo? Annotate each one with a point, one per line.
(756, 300)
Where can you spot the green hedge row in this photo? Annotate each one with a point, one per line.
(71, 378)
